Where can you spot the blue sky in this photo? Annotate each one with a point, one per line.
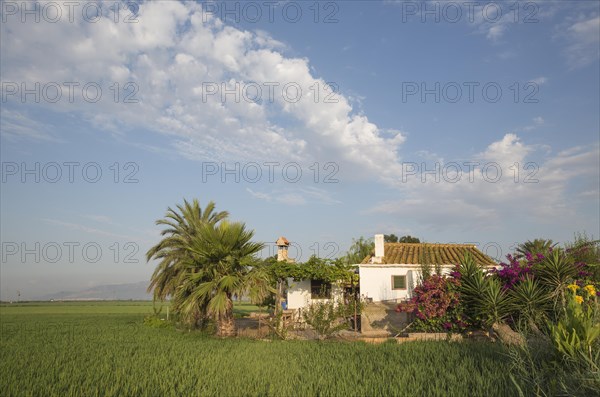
(464, 92)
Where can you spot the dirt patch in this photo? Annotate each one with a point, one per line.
(250, 328)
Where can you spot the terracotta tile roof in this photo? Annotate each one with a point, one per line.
(434, 254)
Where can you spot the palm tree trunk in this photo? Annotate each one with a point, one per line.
(226, 326)
(227, 322)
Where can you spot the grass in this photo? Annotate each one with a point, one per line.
(242, 309)
(79, 307)
(102, 348)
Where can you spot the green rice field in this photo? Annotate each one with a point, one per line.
(104, 349)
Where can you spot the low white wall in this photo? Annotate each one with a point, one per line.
(298, 295)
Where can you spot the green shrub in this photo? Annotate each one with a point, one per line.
(575, 336)
(156, 322)
(534, 367)
(326, 317)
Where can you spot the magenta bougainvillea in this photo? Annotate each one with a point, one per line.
(435, 304)
(515, 270)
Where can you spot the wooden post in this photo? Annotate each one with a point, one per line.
(259, 316)
(354, 298)
(355, 317)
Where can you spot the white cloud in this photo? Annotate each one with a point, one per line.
(172, 54)
(260, 195)
(16, 126)
(295, 196)
(531, 186)
(583, 38)
(506, 151)
(488, 18)
(100, 219)
(495, 32)
(89, 230)
(536, 122)
(142, 236)
(455, 212)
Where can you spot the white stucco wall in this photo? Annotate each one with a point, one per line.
(376, 282)
(298, 295)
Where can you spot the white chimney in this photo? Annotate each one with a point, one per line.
(379, 252)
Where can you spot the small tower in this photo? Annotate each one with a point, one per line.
(282, 249)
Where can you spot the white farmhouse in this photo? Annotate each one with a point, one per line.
(388, 275)
(393, 270)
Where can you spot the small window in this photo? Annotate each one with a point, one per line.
(320, 289)
(398, 282)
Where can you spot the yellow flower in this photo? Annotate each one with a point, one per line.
(573, 287)
(579, 299)
(590, 289)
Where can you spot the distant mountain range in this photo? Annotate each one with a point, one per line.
(133, 291)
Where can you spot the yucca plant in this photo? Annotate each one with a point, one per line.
(556, 271)
(494, 303)
(483, 296)
(530, 301)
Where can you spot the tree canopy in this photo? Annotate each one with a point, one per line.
(409, 239)
(359, 250)
(204, 261)
(390, 238)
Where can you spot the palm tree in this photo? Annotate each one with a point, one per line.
(359, 250)
(173, 252)
(224, 257)
(537, 246)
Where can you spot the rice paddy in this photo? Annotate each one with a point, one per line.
(104, 349)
